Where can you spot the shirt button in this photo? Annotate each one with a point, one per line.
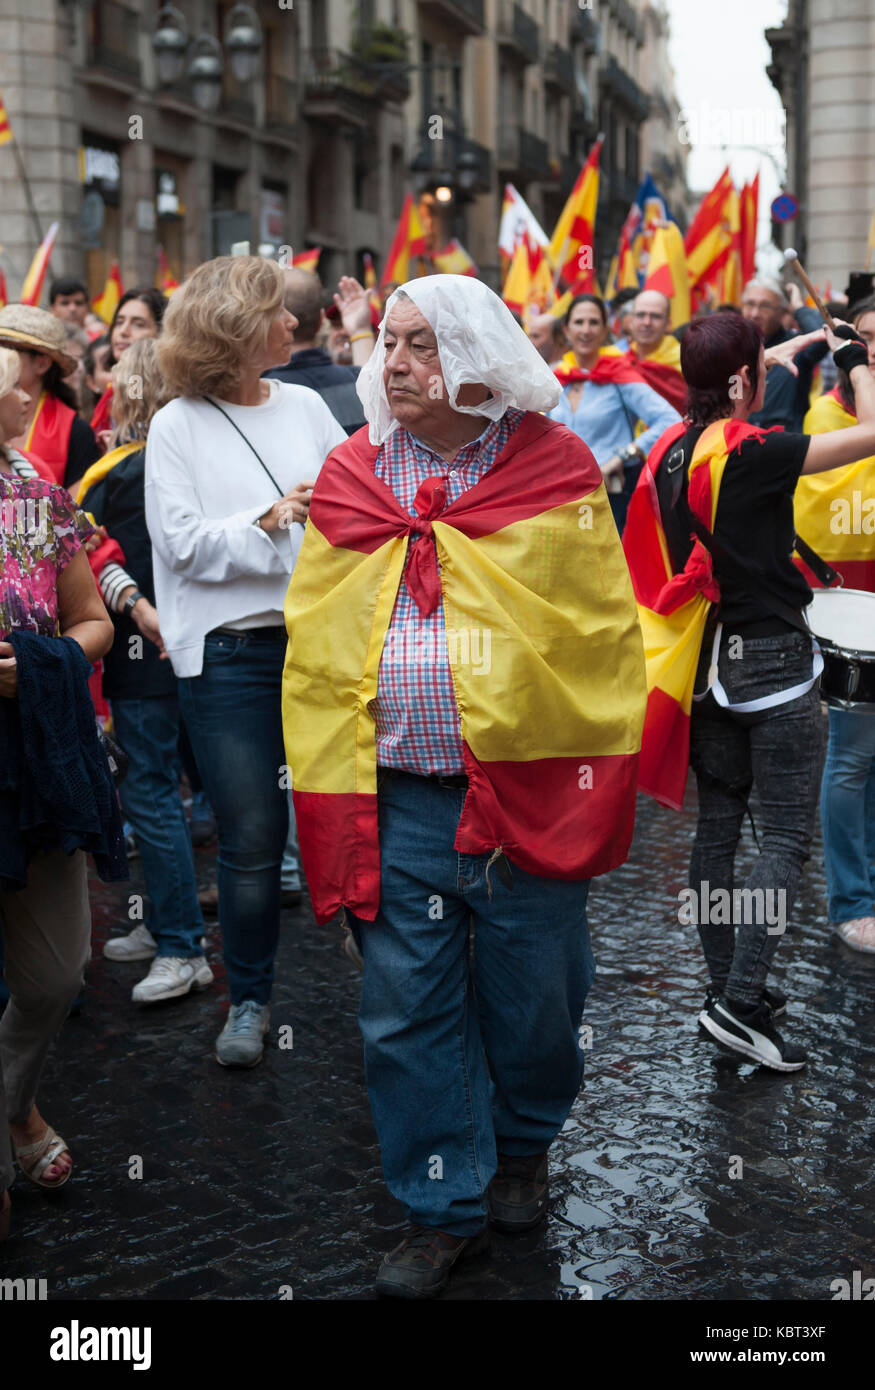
(452, 473)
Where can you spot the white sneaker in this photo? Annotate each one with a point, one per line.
(139, 944)
(858, 933)
(171, 976)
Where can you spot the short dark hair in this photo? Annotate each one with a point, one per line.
(714, 349)
(623, 297)
(587, 299)
(66, 285)
(156, 301)
(303, 298)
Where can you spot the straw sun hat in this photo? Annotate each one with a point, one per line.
(25, 326)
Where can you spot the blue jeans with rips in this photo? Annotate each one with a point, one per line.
(234, 719)
(470, 1049)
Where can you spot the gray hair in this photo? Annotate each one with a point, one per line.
(771, 283)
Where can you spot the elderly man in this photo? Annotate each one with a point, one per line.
(764, 302)
(655, 350)
(547, 337)
(463, 703)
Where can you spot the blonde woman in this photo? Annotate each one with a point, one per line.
(141, 687)
(230, 467)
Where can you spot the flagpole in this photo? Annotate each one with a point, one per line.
(27, 190)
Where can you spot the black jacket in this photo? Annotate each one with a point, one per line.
(56, 789)
(313, 367)
(786, 400)
(117, 501)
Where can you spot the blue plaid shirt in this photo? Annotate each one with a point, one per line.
(416, 711)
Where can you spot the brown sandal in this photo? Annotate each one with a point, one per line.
(34, 1159)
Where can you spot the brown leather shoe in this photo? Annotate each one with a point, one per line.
(518, 1193)
(420, 1267)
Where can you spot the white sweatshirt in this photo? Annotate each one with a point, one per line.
(205, 489)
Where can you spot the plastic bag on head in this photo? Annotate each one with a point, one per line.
(478, 341)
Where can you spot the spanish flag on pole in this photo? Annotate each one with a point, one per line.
(835, 510)
(529, 283)
(5, 127)
(31, 290)
(542, 641)
(453, 259)
(4, 297)
(408, 244)
(709, 236)
(167, 281)
(107, 303)
(749, 211)
(673, 608)
(571, 251)
(667, 271)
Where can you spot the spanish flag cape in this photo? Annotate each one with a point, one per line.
(49, 434)
(835, 510)
(612, 367)
(529, 561)
(673, 608)
(661, 369)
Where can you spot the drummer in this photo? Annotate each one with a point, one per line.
(755, 717)
(830, 516)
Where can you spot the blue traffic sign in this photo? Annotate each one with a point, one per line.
(785, 208)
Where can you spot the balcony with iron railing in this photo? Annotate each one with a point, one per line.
(613, 78)
(518, 32)
(559, 67)
(113, 39)
(586, 30)
(466, 162)
(523, 152)
(468, 15)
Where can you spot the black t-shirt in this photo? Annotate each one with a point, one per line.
(754, 523)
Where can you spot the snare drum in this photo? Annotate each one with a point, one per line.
(843, 621)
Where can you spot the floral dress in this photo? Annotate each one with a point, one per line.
(41, 529)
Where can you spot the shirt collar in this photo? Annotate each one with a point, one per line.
(472, 445)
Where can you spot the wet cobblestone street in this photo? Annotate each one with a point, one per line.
(253, 1181)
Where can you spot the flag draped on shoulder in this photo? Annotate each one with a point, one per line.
(551, 732)
(673, 608)
(661, 370)
(835, 510)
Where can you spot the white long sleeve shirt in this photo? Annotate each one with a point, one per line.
(205, 489)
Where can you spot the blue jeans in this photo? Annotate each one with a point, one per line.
(847, 813)
(148, 730)
(234, 720)
(291, 867)
(467, 1053)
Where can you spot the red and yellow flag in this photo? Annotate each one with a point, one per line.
(835, 510)
(5, 127)
(106, 303)
(32, 289)
(307, 260)
(673, 608)
(749, 209)
(667, 271)
(572, 248)
(529, 284)
(4, 297)
(661, 369)
(408, 244)
(542, 642)
(709, 237)
(454, 260)
(166, 281)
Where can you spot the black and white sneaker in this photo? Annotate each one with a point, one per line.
(775, 998)
(753, 1034)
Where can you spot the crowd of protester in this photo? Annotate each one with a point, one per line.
(170, 458)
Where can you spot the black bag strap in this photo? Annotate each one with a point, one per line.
(246, 441)
(735, 569)
(819, 567)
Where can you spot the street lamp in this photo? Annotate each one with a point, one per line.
(205, 57)
(243, 41)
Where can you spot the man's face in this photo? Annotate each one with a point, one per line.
(72, 308)
(542, 335)
(650, 319)
(412, 373)
(764, 308)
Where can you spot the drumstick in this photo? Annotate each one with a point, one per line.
(791, 258)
